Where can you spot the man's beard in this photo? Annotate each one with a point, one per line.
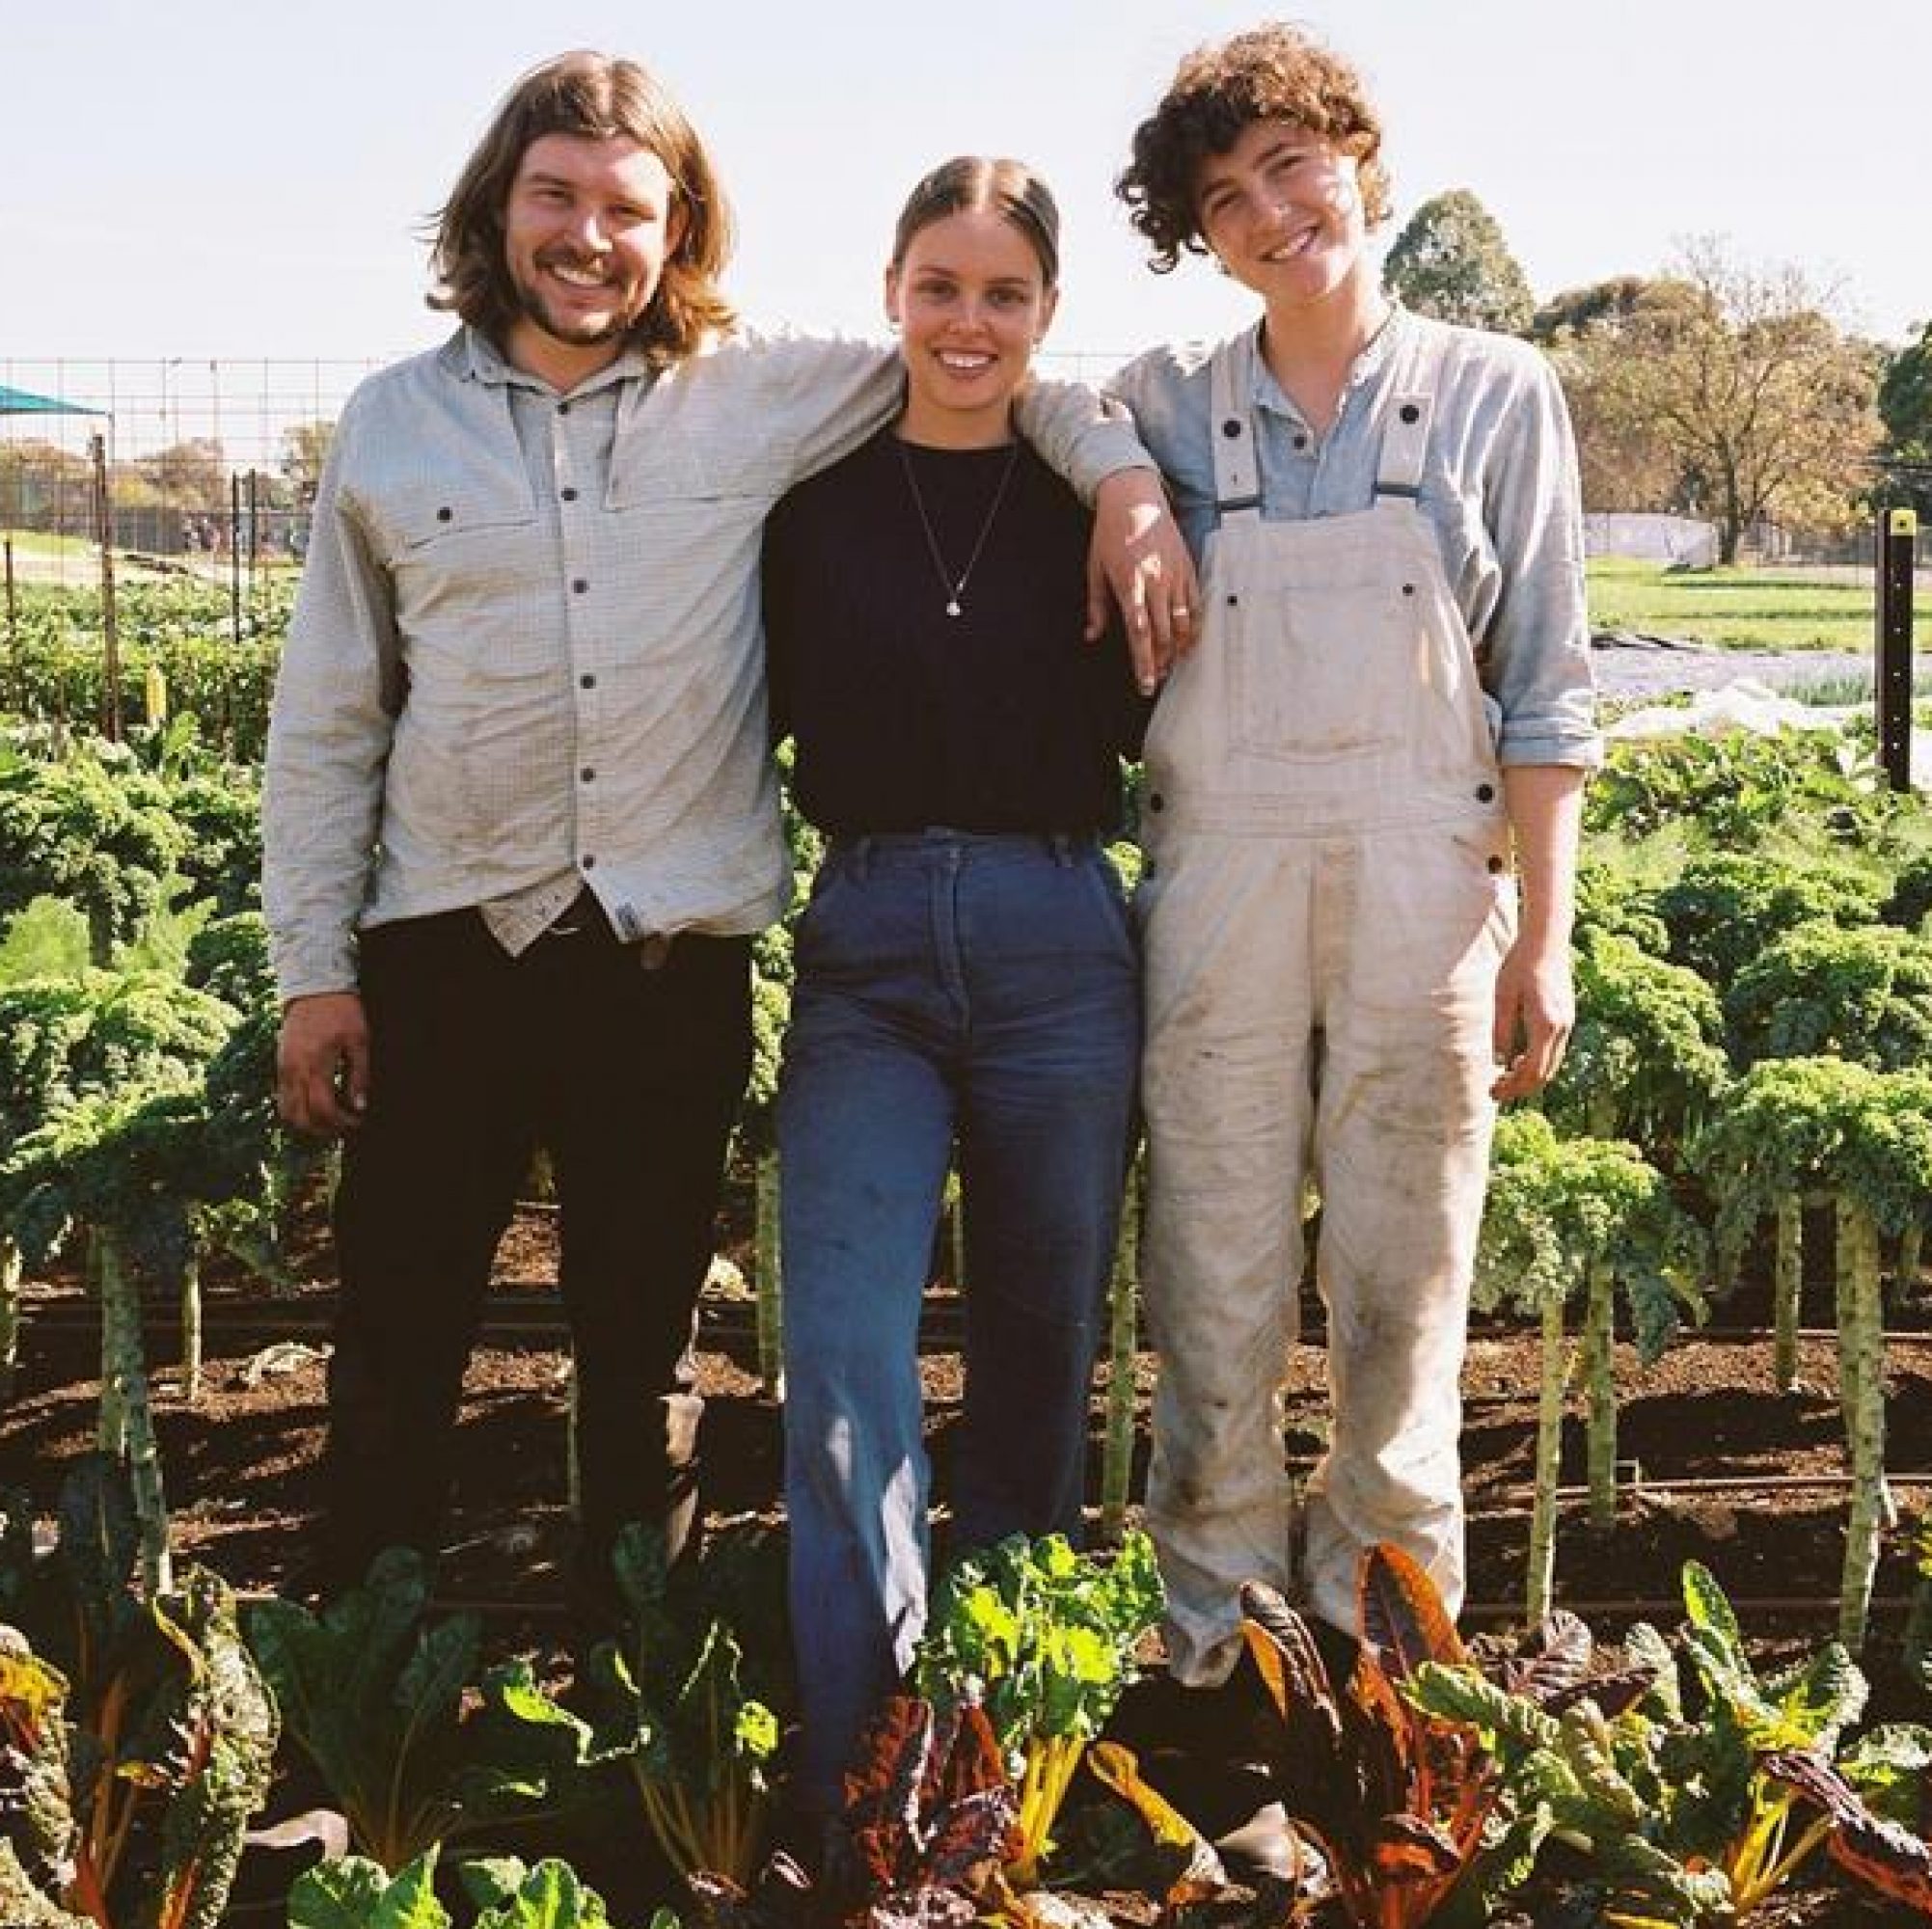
(535, 308)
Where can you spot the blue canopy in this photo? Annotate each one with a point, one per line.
(20, 403)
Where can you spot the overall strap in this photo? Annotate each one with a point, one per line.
(1411, 403)
(1238, 481)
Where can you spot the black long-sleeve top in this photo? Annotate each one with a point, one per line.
(1003, 719)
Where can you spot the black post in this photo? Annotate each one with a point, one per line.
(253, 532)
(235, 558)
(1897, 529)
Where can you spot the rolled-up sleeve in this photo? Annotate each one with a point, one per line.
(336, 692)
(1537, 638)
(1080, 434)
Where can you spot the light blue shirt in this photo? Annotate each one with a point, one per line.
(1499, 485)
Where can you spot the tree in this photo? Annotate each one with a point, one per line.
(43, 486)
(305, 447)
(1741, 378)
(1452, 261)
(190, 474)
(1905, 407)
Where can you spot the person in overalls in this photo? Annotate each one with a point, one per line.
(1382, 738)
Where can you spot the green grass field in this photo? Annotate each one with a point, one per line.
(1741, 609)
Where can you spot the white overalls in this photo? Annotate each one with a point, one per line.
(1327, 899)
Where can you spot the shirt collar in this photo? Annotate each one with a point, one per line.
(1270, 395)
(471, 355)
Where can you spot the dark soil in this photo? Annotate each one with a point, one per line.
(240, 1463)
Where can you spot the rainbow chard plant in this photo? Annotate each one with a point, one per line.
(687, 1700)
(1408, 1814)
(1694, 1801)
(1044, 1638)
(136, 1735)
(353, 1893)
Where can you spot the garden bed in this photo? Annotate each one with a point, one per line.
(1719, 1467)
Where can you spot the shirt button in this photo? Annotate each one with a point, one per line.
(1302, 441)
(588, 773)
(570, 495)
(1495, 863)
(580, 585)
(1410, 413)
(563, 408)
(1156, 802)
(444, 515)
(1486, 793)
(587, 863)
(1408, 588)
(1231, 428)
(587, 681)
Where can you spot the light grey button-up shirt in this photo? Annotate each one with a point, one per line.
(1499, 485)
(526, 657)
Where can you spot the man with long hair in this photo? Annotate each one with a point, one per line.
(520, 821)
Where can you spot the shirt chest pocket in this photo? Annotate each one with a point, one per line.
(456, 512)
(474, 575)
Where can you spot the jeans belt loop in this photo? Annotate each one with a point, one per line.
(1065, 847)
(861, 858)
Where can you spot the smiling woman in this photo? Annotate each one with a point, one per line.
(966, 971)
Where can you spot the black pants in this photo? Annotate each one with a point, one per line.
(630, 1079)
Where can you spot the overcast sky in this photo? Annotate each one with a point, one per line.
(186, 179)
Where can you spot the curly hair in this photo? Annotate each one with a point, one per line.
(1272, 72)
(594, 97)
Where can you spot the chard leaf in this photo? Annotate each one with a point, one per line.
(550, 1896)
(1888, 1767)
(1189, 1868)
(1402, 1616)
(23, 1905)
(356, 1893)
(489, 1881)
(1709, 1610)
(1647, 1649)
(1880, 1853)
(1824, 1698)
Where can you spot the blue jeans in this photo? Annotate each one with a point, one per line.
(984, 989)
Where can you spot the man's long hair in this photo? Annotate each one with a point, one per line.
(595, 97)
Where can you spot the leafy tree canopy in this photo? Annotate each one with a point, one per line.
(1452, 261)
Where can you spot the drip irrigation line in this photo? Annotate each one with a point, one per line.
(536, 1313)
(1712, 1483)
(1749, 1610)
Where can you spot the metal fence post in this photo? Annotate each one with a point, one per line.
(1898, 530)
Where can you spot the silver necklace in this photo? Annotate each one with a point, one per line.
(954, 587)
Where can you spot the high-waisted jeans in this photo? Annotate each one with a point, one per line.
(950, 987)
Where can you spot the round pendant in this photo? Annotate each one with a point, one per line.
(953, 609)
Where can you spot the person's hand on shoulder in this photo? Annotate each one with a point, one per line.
(1139, 556)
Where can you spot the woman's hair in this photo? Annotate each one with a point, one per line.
(1273, 72)
(1011, 189)
(593, 98)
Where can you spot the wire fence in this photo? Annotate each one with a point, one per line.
(204, 467)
